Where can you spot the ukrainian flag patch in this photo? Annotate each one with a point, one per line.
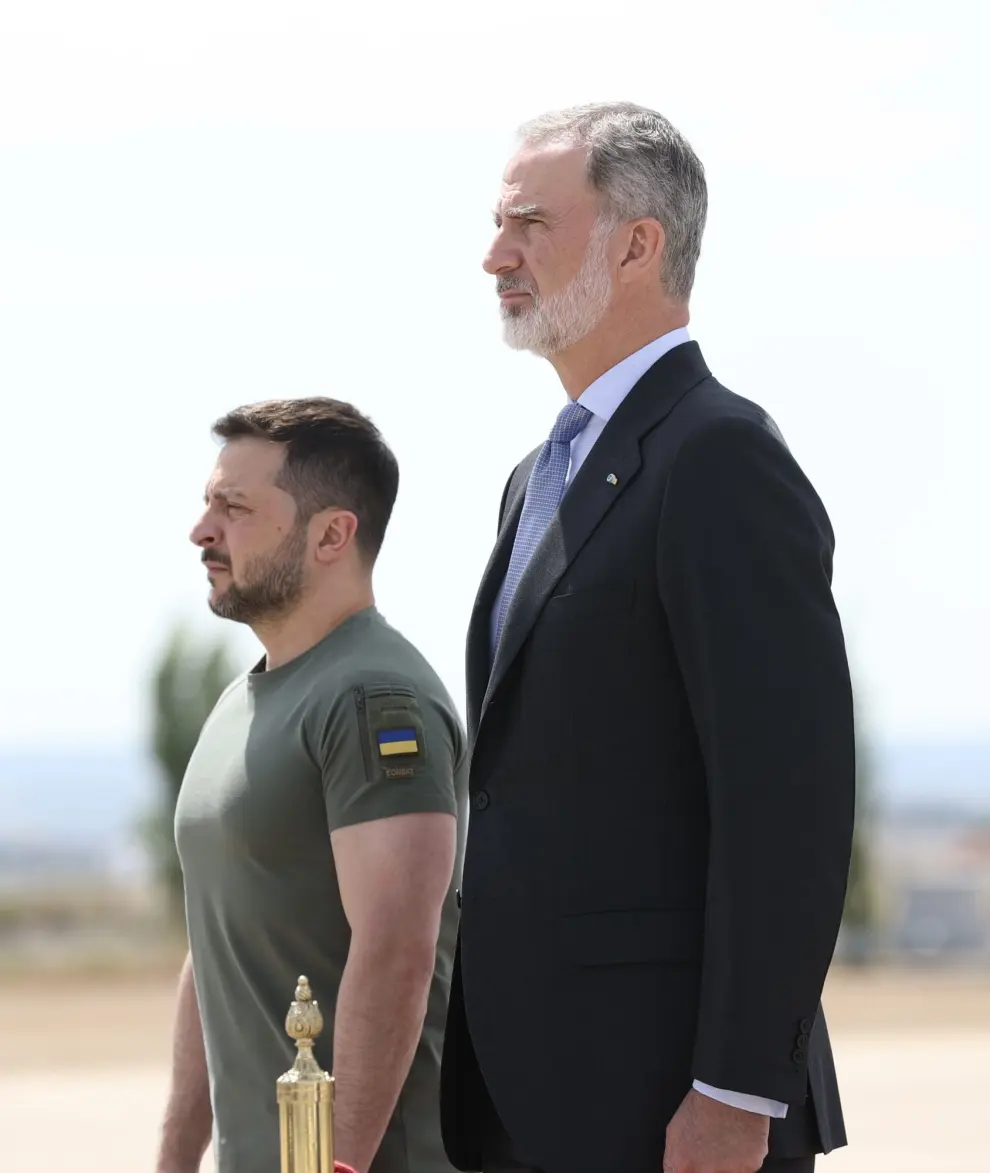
(392, 742)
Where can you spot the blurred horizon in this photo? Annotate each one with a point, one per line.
(95, 795)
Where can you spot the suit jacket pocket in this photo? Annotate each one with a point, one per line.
(591, 600)
(631, 936)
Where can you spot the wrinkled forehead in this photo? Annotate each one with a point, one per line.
(246, 465)
(549, 179)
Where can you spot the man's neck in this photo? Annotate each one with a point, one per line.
(285, 639)
(621, 334)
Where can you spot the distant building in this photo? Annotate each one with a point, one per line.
(933, 875)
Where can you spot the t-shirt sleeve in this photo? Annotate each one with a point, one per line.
(388, 749)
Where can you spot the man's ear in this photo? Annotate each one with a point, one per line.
(336, 531)
(645, 242)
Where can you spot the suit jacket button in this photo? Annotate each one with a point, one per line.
(481, 800)
(802, 1042)
(805, 1026)
(798, 1056)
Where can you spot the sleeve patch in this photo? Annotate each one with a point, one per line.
(395, 742)
(393, 729)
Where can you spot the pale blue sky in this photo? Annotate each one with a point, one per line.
(228, 202)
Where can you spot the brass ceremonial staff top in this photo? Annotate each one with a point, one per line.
(305, 1095)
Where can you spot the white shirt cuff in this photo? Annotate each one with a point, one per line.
(755, 1104)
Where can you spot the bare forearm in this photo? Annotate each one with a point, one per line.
(380, 1010)
(188, 1116)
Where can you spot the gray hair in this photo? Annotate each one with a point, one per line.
(643, 167)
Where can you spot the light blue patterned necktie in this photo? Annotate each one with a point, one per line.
(543, 495)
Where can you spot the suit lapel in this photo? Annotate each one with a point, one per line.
(609, 469)
(585, 503)
(479, 660)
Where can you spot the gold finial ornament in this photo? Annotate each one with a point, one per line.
(304, 1022)
(305, 1093)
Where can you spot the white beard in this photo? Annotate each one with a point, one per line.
(552, 325)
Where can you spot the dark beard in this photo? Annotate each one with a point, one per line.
(271, 584)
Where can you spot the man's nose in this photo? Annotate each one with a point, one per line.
(500, 258)
(204, 533)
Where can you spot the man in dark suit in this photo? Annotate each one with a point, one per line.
(660, 712)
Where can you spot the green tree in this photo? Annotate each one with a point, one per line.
(187, 681)
(859, 913)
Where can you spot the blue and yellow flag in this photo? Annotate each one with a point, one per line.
(397, 741)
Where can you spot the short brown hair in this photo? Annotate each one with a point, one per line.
(335, 457)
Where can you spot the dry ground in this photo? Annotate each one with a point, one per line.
(84, 1064)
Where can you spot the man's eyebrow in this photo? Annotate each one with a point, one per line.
(224, 495)
(519, 212)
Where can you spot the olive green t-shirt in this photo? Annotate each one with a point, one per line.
(359, 727)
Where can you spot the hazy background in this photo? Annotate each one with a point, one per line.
(205, 204)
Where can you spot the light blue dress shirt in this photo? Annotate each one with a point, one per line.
(602, 399)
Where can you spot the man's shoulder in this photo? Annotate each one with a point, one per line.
(713, 407)
(382, 659)
(384, 684)
(712, 419)
(722, 437)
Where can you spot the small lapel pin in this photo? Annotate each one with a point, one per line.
(612, 479)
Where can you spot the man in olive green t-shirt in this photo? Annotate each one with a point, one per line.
(320, 821)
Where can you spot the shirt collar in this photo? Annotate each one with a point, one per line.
(605, 394)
